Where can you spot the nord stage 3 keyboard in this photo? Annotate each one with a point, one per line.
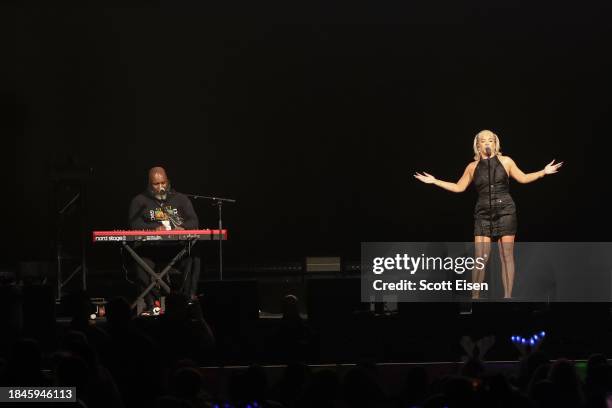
(152, 235)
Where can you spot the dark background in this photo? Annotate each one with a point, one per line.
(314, 116)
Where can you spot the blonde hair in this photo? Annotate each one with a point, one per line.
(497, 147)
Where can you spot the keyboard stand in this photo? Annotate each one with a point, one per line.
(157, 279)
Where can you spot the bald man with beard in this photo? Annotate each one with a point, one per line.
(160, 208)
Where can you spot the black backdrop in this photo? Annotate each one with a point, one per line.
(313, 116)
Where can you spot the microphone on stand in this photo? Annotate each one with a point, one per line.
(162, 204)
(163, 196)
(488, 152)
(175, 220)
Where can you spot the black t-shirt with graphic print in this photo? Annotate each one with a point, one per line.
(147, 213)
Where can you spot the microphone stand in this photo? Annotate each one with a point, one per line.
(59, 245)
(218, 201)
(490, 155)
(490, 199)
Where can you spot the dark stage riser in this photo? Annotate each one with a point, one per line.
(343, 329)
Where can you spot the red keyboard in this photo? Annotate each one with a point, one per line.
(151, 235)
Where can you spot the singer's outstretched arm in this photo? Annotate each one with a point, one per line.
(523, 178)
(459, 187)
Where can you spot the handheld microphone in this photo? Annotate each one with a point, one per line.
(488, 151)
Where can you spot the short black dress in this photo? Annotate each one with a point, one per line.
(497, 217)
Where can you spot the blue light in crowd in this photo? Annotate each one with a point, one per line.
(532, 340)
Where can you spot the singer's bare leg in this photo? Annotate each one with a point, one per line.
(482, 249)
(503, 265)
(506, 254)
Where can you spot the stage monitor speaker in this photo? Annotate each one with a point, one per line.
(227, 304)
(316, 264)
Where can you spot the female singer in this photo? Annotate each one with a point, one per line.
(495, 212)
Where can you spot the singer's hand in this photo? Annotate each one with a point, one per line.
(552, 168)
(160, 228)
(425, 177)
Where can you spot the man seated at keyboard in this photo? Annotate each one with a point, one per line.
(160, 208)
